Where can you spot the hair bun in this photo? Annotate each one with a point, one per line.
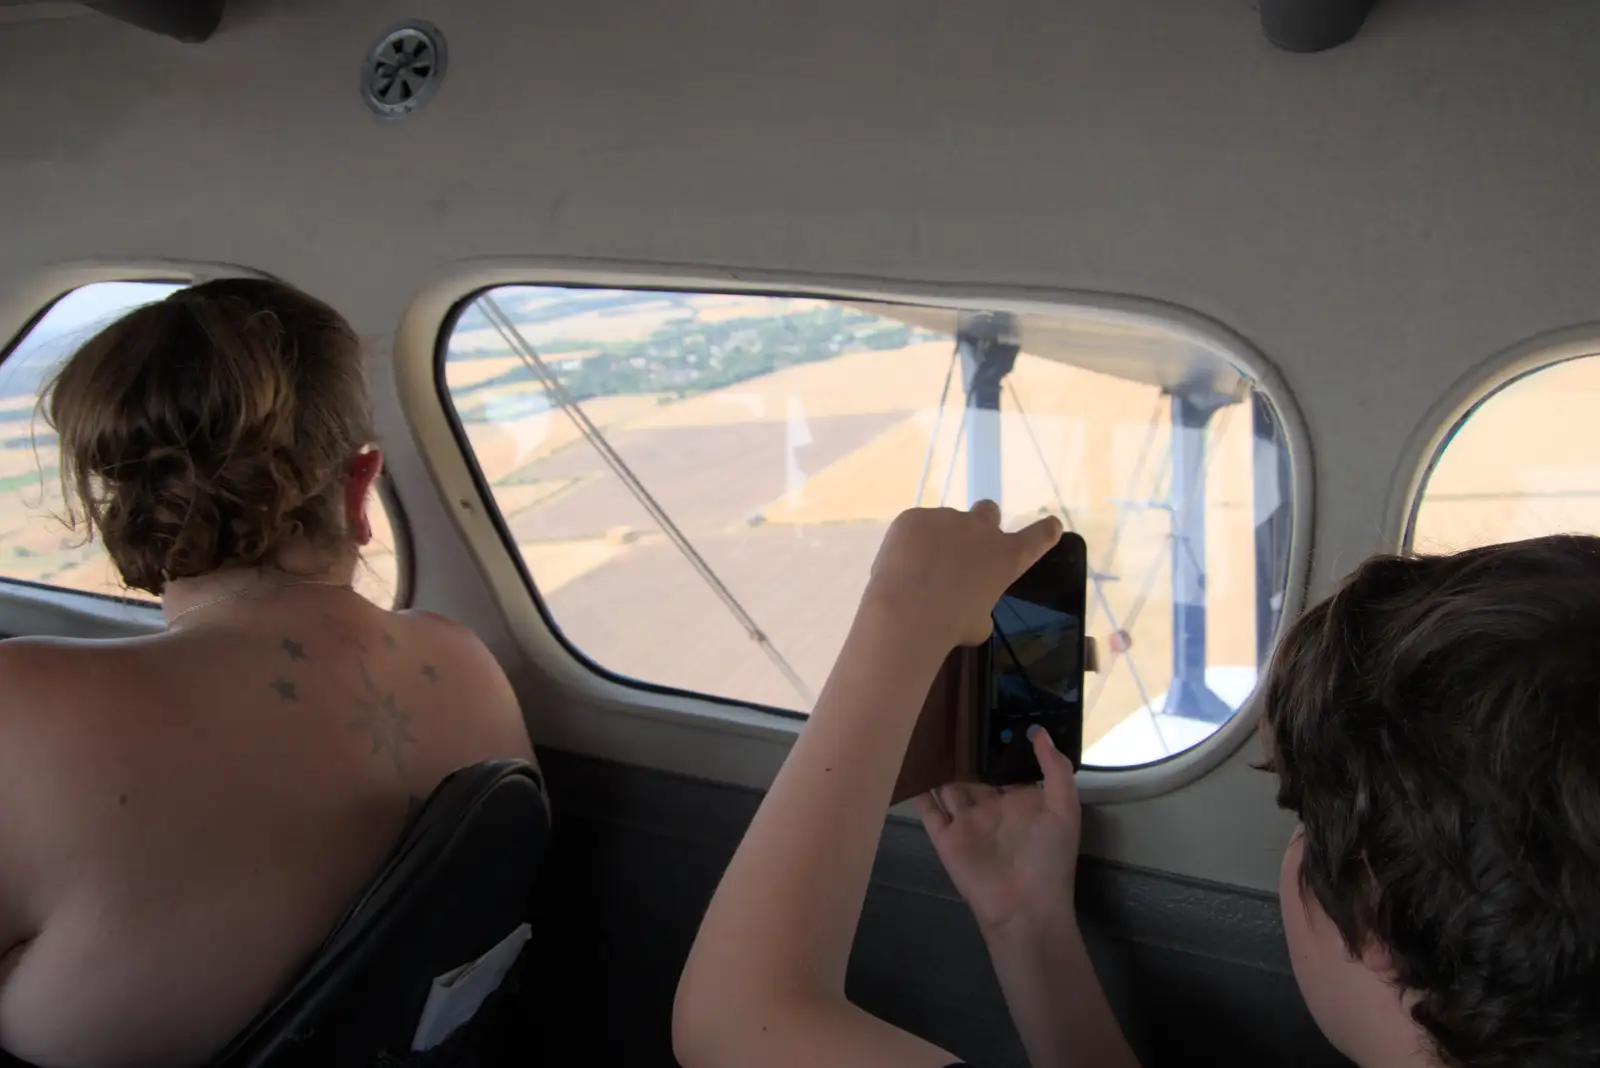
(212, 429)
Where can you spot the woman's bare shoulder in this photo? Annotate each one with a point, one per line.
(32, 648)
(64, 700)
(467, 665)
(38, 666)
(424, 617)
(451, 638)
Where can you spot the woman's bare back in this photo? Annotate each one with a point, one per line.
(184, 817)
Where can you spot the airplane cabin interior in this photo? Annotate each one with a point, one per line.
(669, 310)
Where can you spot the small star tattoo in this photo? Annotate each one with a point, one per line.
(286, 691)
(388, 639)
(294, 649)
(430, 672)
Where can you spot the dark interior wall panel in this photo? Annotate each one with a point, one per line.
(1198, 972)
(186, 20)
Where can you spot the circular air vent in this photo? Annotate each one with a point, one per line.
(403, 69)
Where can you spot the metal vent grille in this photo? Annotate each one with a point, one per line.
(402, 71)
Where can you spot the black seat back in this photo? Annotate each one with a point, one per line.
(462, 878)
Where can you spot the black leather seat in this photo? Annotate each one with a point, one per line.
(463, 877)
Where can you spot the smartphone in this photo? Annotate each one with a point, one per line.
(1033, 667)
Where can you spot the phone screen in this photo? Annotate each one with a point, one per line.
(1035, 666)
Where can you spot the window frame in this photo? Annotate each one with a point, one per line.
(57, 610)
(405, 578)
(1469, 393)
(590, 705)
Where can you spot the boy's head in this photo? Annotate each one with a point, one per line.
(1435, 725)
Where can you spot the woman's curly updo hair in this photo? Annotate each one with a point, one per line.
(211, 429)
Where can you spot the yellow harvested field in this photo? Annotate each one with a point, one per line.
(94, 575)
(878, 481)
(553, 564)
(640, 320)
(464, 374)
(516, 497)
(744, 308)
(34, 527)
(15, 463)
(502, 448)
(1090, 430)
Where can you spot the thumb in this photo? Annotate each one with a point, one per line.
(1060, 786)
(1034, 540)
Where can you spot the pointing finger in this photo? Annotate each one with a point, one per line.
(988, 511)
(1060, 787)
(1036, 539)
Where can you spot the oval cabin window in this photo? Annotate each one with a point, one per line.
(696, 482)
(1523, 463)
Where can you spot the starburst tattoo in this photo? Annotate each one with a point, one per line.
(285, 689)
(293, 650)
(430, 672)
(384, 720)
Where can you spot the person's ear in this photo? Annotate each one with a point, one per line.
(1376, 958)
(365, 468)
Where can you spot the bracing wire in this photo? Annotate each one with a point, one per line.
(553, 385)
(1066, 517)
(1114, 542)
(1208, 453)
(955, 456)
(938, 421)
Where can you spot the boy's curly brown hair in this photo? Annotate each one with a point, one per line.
(1435, 724)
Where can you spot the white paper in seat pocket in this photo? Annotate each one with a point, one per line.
(459, 993)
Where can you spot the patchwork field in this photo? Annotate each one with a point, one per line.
(785, 483)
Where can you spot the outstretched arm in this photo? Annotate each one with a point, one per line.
(764, 984)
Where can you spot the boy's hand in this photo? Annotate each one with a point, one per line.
(1012, 852)
(944, 570)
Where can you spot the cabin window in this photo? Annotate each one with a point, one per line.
(1521, 464)
(36, 546)
(696, 482)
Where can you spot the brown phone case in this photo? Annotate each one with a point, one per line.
(944, 743)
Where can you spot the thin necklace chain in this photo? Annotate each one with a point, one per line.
(254, 589)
